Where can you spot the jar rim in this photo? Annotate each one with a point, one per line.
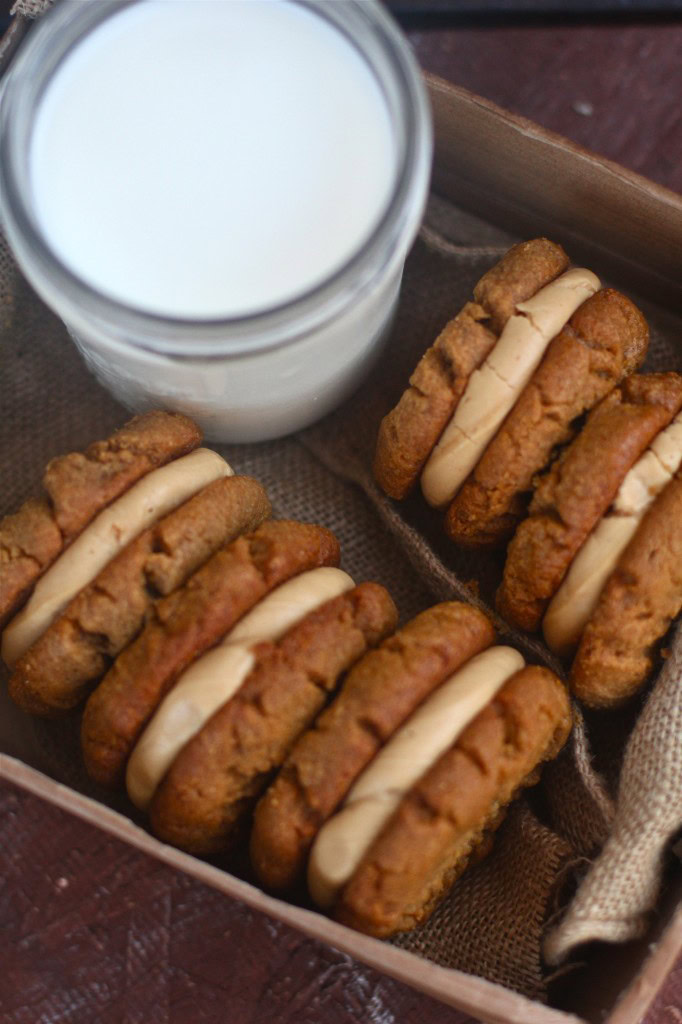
(42, 52)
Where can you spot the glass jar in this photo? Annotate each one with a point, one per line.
(256, 375)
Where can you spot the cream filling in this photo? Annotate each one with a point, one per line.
(494, 388)
(215, 677)
(431, 730)
(573, 604)
(119, 523)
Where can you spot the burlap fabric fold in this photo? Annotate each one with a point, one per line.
(492, 923)
(622, 885)
(30, 8)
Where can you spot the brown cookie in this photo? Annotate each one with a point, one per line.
(639, 601)
(523, 270)
(447, 819)
(80, 485)
(377, 696)
(605, 339)
(410, 431)
(186, 623)
(571, 498)
(58, 670)
(30, 540)
(218, 774)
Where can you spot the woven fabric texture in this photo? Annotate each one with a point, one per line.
(30, 8)
(492, 923)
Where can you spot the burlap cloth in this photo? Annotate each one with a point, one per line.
(30, 8)
(494, 922)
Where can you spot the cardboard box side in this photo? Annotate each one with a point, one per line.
(515, 174)
(483, 156)
(482, 999)
(641, 993)
(617, 983)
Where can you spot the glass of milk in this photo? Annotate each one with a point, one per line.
(217, 197)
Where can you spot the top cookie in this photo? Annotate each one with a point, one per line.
(642, 596)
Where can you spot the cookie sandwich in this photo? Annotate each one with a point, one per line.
(402, 780)
(572, 496)
(120, 526)
(503, 386)
(210, 743)
(615, 587)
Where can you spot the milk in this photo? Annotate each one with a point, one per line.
(237, 153)
(217, 197)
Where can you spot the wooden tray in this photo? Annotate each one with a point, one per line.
(521, 177)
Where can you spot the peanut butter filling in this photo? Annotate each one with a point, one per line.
(150, 498)
(494, 388)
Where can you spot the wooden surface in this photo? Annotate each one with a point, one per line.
(92, 932)
(614, 88)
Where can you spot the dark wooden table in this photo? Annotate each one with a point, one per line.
(92, 932)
